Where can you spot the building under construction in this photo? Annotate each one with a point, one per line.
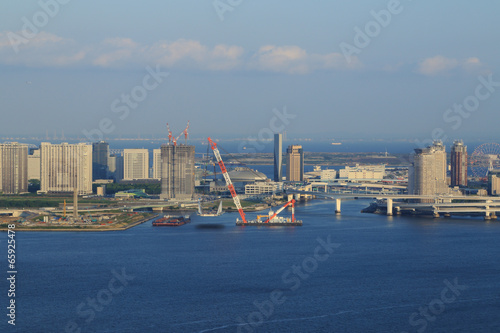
(177, 172)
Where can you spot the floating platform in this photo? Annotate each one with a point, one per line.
(171, 221)
(297, 223)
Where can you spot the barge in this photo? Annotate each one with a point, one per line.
(172, 221)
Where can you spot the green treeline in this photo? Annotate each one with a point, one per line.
(28, 202)
(117, 187)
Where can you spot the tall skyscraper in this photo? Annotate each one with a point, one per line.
(295, 163)
(177, 172)
(458, 164)
(278, 155)
(427, 174)
(13, 168)
(64, 167)
(135, 164)
(100, 154)
(157, 163)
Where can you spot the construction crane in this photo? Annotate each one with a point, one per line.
(291, 202)
(174, 140)
(169, 134)
(186, 133)
(271, 219)
(229, 184)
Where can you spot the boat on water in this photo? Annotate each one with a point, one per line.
(268, 220)
(272, 219)
(211, 213)
(172, 221)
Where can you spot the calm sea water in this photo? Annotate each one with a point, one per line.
(185, 279)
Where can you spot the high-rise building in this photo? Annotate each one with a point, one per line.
(278, 155)
(135, 164)
(427, 174)
(115, 167)
(458, 164)
(64, 167)
(494, 182)
(295, 163)
(100, 154)
(177, 172)
(13, 168)
(34, 164)
(157, 163)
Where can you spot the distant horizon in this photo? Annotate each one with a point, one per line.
(244, 145)
(226, 137)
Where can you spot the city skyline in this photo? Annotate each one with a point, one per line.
(243, 166)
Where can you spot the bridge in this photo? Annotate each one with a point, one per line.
(433, 204)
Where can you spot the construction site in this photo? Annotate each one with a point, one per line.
(272, 219)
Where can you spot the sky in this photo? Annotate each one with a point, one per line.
(330, 69)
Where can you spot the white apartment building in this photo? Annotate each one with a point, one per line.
(64, 167)
(135, 164)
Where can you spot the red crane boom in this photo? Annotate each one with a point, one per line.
(291, 202)
(229, 184)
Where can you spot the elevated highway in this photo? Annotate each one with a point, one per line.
(430, 204)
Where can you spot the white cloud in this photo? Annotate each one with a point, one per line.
(224, 57)
(47, 49)
(43, 50)
(440, 65)
(114, 52)
(120, 42)
(189, 53)
(473, 65)
(295, 60)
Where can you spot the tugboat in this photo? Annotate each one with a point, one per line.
(172, 221)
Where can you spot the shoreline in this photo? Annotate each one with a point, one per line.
(72, 229)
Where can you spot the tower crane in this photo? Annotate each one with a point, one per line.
(185, 132)
(169, 134)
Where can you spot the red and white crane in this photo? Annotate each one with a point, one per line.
(229, 184)
(172, 139)
(169, 134)
(186, 133)
(291, 202)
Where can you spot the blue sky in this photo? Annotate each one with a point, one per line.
(226, 76)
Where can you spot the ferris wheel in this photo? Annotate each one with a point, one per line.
(486, 157)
